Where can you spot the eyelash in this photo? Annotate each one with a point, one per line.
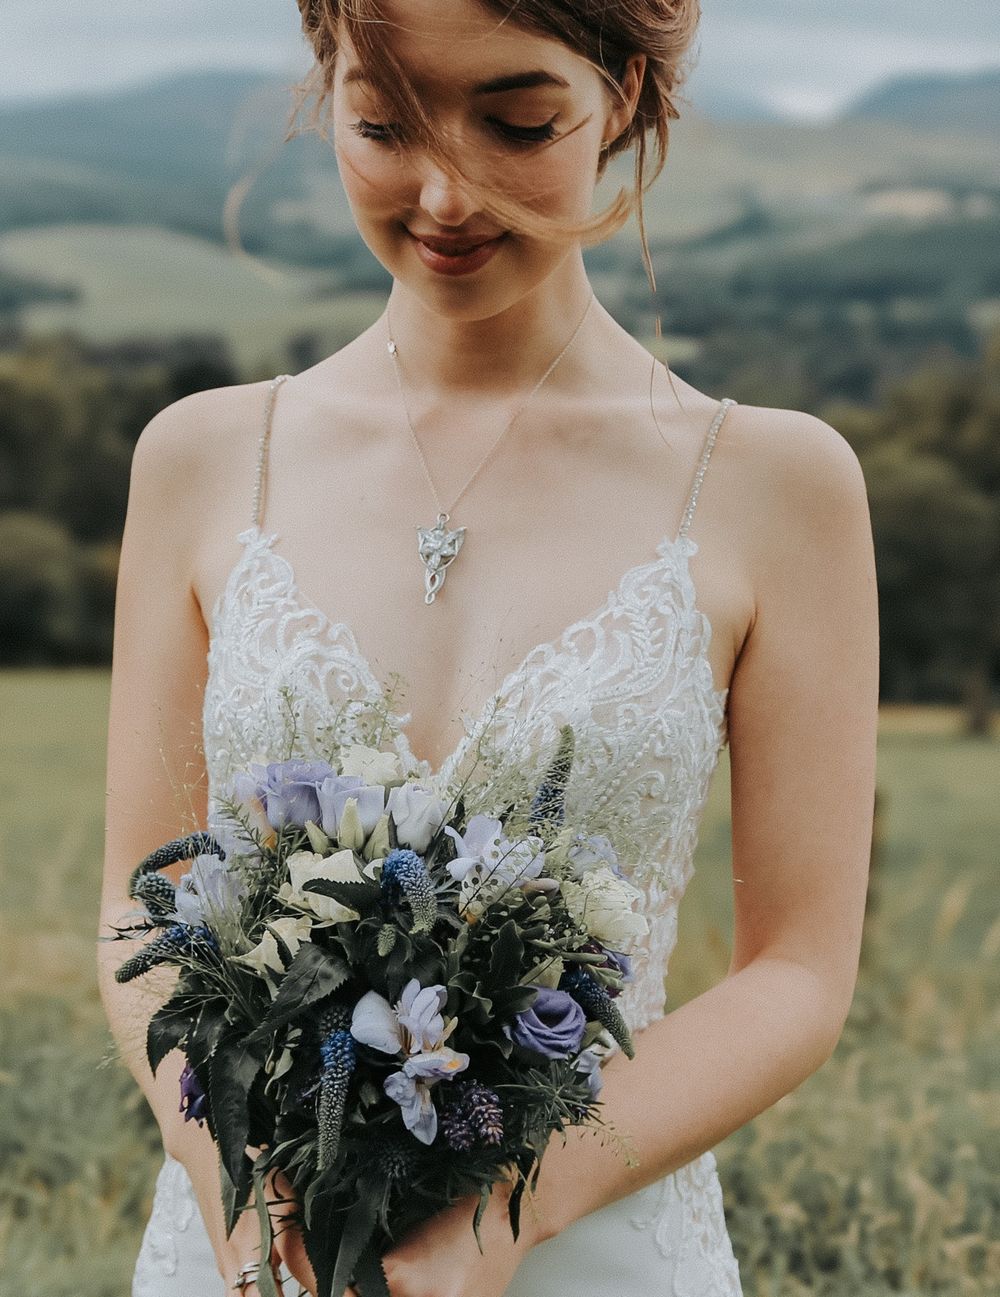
(513, 134)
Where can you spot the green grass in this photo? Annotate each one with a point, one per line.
(145, 281)
(877, 1176)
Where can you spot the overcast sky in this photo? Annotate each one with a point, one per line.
(803, 58)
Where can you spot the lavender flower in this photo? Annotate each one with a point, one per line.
(471, 1115)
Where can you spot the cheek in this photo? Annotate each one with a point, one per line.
(564, 178)
(372, 179)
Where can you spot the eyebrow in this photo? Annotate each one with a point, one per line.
(498, 86)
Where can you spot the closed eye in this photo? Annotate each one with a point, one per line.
(388, 133)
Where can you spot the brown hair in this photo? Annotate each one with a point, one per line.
(604, 32)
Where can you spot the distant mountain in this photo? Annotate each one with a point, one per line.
(169, 152)
(176, 125)
(721, 104)
(960, 102)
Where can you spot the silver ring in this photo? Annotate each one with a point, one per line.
(247, 1274)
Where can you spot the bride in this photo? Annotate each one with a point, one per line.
(447, 499)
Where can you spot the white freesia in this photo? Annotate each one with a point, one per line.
(417, 814)
(603, 902)
(373, 766)
(265, 956)
(303, 866)
(375, 1022)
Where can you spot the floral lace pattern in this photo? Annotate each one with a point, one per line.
(634, 677)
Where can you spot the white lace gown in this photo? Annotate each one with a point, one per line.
(635, 676)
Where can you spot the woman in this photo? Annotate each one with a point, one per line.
(499, 408)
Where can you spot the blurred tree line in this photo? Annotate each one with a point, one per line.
(70, 414)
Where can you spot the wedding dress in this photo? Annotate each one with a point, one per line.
(635, 676)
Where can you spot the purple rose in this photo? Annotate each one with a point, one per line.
(194, 1100)
(333, 794)
(289, 791)
(553, 1026)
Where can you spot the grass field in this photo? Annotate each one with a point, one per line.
(879, 1175)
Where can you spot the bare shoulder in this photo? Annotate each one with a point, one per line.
(801, 481)
(195, 459)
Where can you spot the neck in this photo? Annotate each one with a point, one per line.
(498, 355)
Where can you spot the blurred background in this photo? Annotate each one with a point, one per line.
(826, 237)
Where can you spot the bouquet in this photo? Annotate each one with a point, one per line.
(393, 1003)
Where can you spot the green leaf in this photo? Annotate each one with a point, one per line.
(484, 1202)
(358, 1229)
(360, 896)
(322, 1232)
(507, 956)
(314, 974)
(234, 1196)
(231, 1073)
(265, 1280)
(369, 1275)
(167, 1029)
(205, 1033)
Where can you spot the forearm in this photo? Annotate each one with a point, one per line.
(128, 1008)
(699, 1073)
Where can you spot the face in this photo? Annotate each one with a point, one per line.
(506, 101)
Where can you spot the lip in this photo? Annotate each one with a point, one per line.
(455, 254)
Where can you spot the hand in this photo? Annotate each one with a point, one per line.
(438, 1258)
(288, 1242)
(441, 1258)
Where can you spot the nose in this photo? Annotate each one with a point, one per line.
(445, 199)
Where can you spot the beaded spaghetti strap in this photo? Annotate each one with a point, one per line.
(699, 475)
(262, 446)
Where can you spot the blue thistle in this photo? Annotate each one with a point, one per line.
(186, 848)
(157, 893)
(548, 804)
(394, 1160)
(178, 939)
(141, 885)
(404, 871)
(471, 1115)
(593, 998)
(337, 1052)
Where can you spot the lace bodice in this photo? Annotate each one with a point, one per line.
(633, 678)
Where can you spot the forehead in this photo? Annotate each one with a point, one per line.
(460, 44)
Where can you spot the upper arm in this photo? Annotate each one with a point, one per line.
(803, 709)
(155, 765)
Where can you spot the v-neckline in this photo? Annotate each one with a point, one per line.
(680, 543)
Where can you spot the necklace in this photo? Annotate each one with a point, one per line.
(438, 546)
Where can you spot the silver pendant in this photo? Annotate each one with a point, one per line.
(438, 548)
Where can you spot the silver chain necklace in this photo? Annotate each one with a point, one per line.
(437, 546)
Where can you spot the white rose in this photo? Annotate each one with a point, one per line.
(417, 815)
(373, 766)
(602, 902)
(304, 866)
